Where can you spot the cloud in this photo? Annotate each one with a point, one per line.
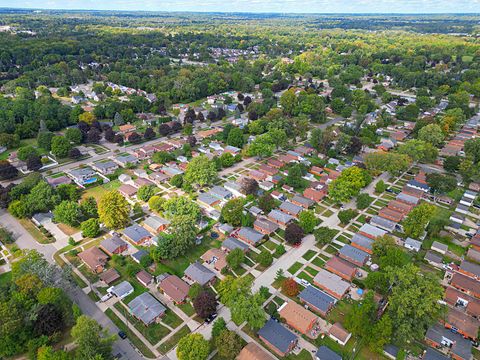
(280, 6)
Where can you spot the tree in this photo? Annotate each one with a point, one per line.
(416, 221)
(91, 339)
(164, 129)
(193, 347)
(235, 138)
(156, 203)
(134, 138)
(472, 149)
(363, 201)
(118, 139)
(288, 101)
(200, 171)
(419, 150)
(249, 308)
(324, 235)
(87, 117)
(249, 186)
(149, 134)
(294, 177)
(162, 157)
(293, 234)
(235, 258)
(44, 139)
(109, 135)
(232, 212)
(145, 192)
(265, 258)
(181, 205)
(262, 146)
(387, 254)
(34, 163)
(48, 353)
(346, 215)
(205, 304)
(67, 212)
(452, 163)
(228, 344)
(25, 152)
(395, 164)
(10, 141)
(195, 290)
(182, 237)
(90, 228)
(60, 146)
(348, 184)
(266, 202)
(441, 184)
(88, 207)
(7, 170)
(68, 192)
(49, 320)
(414, 303)
(218, 326)
(380, 186)
(290, 287)
(74, 153)
(93, 136)
(307, 221)
(431, 133)
(113, 210)
(360, 321)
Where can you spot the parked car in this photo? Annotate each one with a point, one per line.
(211, 318)
(122, 334)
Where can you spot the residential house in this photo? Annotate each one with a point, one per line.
(253, 352)
(278, 195)
(363, 243)
(250, 236)
(58, 180)
(174, 288)
(126, 160)
(325, 353)
(466, 284)
(338, 333)
(138, 255)
(470, 269)
(342, 268)
(215, 257)
(146, 308)
(390, 214)
(297, 317)
(127, 129)
(127, 190)
(113, 245)
(473, 254)
(158, 178)
(412, 244)
(462, 301)
(290, 208)
(462, 323)
(407, 199)
(121, 290)
(124, 178)
(140, 181)
(400, 206)
(144, 278)
(371, 231)
(383, 223)
(432, 354)
(277, 164)
(278, 338)
(265, 226)
(221, 193)
(232, 243)
(109, 276)
(280, 218)
(155, 224)
(199, 274)
(418, 185)
(94, 258)
(208, 200)
(234, 187)
(106, 167)
(434, 259)
(302, 201)
(317, 300)
(314, 194)
(440, 337)
(83, 176)
(353, 255)
(137, 234)
(266, 185)
(331, 283)
(439, 247)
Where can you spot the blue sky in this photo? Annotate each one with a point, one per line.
(279, 6)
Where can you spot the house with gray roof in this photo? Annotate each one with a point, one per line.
(408, 199)
(440, 337)
(155, 224)
(221, 193)
(234, 188)
(280, 217)
(412, 244)
(302, 201)
(121, 290)
(113, 245)
(371, 231)
(383, 223)
(232, 243)
(290, 208)
(83, 176)
(362, 242)
(250, 236)
(353, 255)
(137, 234)
(432, 354)
(265, 226)
(137, 256)
(331, 283)
(325, 353)
(105, 167)
(208, 200)
(316, 299)
(198, 273)
(439, 247)
(146, 308)
(125, 160)
(434, 259)
(277, 337)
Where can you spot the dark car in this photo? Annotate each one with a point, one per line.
(211, 318)
(122, 335)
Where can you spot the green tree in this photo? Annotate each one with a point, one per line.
(44, 140)
(156, 203)
(431, 133)
(73, 135)
(232, 212)
(294, 177)
(145, 192)
(90, 228)
(60, 146)
(200, 171)
(265, 258)
(288, 101)
(416, 221)
(183, 233)
(67, 212)
(26, 152)
(395, 164)
(235, 138)
(193, 347)
(89, 208)
(419, 150)
(441, 184)
(235, 258)
(218, 326)
(307, 221)
(266, 202)
(91, 339)
(348, 184)
(262, 146)
(114, 210)
(228, 344)
(363, 201)
(324, 235)
(346, 215)
(452, 163)
(380, 186)
(181, 205)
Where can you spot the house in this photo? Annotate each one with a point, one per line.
(277, 164)
(412, 244)
(253, 352)
(83, 176)
(235, 188)
(331, 283)
(314, 194)
(466, 284)
(258, 175)
(391, 215)
(470, 269)
(41, 219)
(146, 308)
(418, 185)
(265, 226)
(221, 193)
(106, 167)
(432, 354)
(383, 223)
(124, 178)
(434, 259)
(144, 278)
(470, 194)
(457, 219)
(155, 224)
(215, 257)
(94, 258)
(110, 276)
(325, 353)
(317, 300)
(232, 243)
(266, 185)
(462, 323)
(315, 170)
(140, 181)
(127, 190)
(391, 351)
(158, 178)
(58, 180)
(462, 209)
(268, 170)
(462, 301)
(439, 247)
(440, 337)
(137, 234)
(473, 254)
(407, 199)
(302, 201)
(278, 338)
(363, 243)
(226, 229)
(338, 333)
(174, 288)
(138, 255)
(250, 236)
(371, 231)
(199, 274)
(400, 206)
(297, 317)
(208, 200)
(121, 290)
(278, 195)
(290, 208)
(126, 160)
(113, 245)
(353, 255)
(342, 268)
(127, 128)
(255, 211)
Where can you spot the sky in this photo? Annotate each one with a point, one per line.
(269, 6)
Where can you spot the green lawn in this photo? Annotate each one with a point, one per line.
(5, 278)
(318, 261)
(171, 319)
(311, 271)
(187, 308)
(303, 355)
(98, 191)
(173, 340)
(341, 309)
(303, 275)
(309, 254)
(294, 268)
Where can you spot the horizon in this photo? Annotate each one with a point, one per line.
(306, 7)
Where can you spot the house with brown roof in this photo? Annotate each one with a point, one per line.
(316, 170)
(391, 214)
(341, 267)
(258, 175)
(268, 170)
(109, 276)
(462, 323)
(400, 207)
(297, 317)
(469, 269)
(94, 258)
(265, 226)
(174, 288)
(127, 128)
(463, 301)
(338, 333)
(314, 194)
(215, 257)
(277, 164)
(127, 191)
(144, 278)
(253, 352)
(466, 284)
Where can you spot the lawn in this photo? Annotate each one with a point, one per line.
(37, 234)
(338, 313)
(187, 308)
(294, 268)
(98, 191)
(318, 262)
(130, 334)
(171, 319)
(173, 340)
(302, 355)
(331, 250)
(303, 275)
(311, 271)
(309, 254)
(5, 278)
